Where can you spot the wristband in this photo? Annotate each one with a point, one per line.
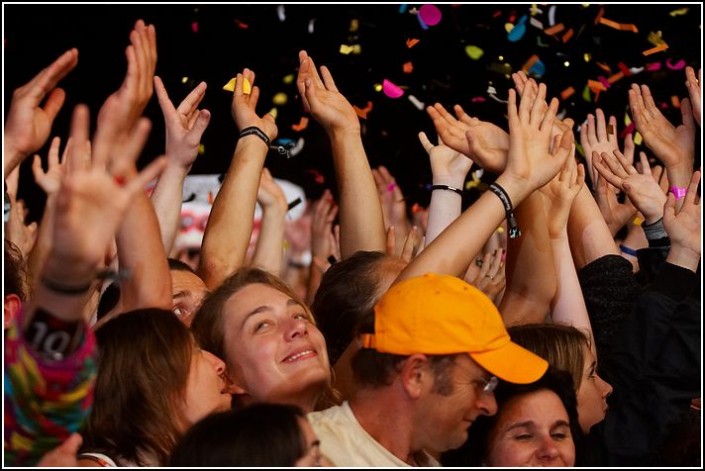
(447, 187)
(514, 230)
(64, 289)
(281, 149)
(627, 250)
(678, 191)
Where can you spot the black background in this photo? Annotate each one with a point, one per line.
(36, 34)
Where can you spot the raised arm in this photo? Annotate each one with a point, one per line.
(184, 127)
(227, 234)
(28, 125)
(695, 90)
(361, 220)
(529, 166)
(270, 243)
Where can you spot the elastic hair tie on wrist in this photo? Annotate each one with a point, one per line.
(447, 187)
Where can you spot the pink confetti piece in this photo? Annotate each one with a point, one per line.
(478, 99)
(194, 26)
(653, 66)
(430, 15)
(391, 90)
(603, 80)
(677, 66)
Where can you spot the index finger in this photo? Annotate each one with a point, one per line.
(47, 79)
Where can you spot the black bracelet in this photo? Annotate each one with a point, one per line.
(257, 132)
(63, 289)
(447, 187)
(514, 230)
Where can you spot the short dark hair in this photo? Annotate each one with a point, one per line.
(346, 298)
(260, 435)
(178, 265)
(15, 273)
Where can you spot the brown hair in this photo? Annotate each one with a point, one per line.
(14, 272)
(209, 322)
(561, 345)
(144, 362)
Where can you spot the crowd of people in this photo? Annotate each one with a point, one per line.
(554, 322)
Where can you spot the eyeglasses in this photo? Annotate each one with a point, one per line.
(489, 384)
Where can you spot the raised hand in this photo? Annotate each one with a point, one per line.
(122, 110)
(641, 187)
(270, 195)
(560, 193)
(184, 125)
(674, 146)
(616, 214)
(596, 136)
(695, 90)
(446, 162)
(684, 225)
(28, 125)
(244, 106)
(50, 181)
(323, 242)
(490, 277)
(559, 126)
(392, 200)
(323, 100)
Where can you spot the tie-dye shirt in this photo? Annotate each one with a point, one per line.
(45, 400)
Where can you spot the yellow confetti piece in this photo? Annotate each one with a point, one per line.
(280, 99)
(637, 221)
(508, 27)
(288, 79)
(184, 79)
(638, 139)
(354, 25)
(246, 86)
(587, 57)
(378, 87)
(500, 230)
(201, 149)
(345, 49)
(654, 50)
(680, 11)
(655, 38)
(474, 52)
(274, 113)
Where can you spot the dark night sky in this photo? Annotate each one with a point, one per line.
(36, 34)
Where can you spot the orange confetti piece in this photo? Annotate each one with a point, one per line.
(619, 26)
(566, 37)
(555, 29)
(529, 63)
(408, 67)
(596, 86)
(615, 77)
(303, 124)
(654, 50)
(604, 66)
(599, 15)
(675, 101)
(411, 42)
(568, 92)
(362, 113)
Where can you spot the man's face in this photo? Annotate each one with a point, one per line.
(447, 414)
(187, 293)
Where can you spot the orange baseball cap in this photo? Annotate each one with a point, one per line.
(443, 315)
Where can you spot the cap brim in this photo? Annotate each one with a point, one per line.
(512, 363)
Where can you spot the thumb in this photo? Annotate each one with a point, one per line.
(204, 117)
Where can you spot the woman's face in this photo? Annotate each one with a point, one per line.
(532, 429)
(276, 352)
(592, 394)
(206, 390)
(312, 456)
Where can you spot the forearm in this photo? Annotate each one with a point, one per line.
(445, 207)
(11, 157)
(166, 199)
(531, 277)
(683, 257)
(568, 306)
(140, 250)
(42, 246)
(270, 243)
(588, 234)
(361, 220)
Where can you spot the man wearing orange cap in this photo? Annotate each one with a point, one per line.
(426, 371)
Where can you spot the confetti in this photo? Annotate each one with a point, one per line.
(654, 50)
(538, 69)
(303, 124)
(613, 78)
(362, 112)
(354, 25)
(201, 149)
(619, 26)
(517, 32)
(411, 42)
(289, 79)
(430, 15)
(391, 90)
(566, 37)
(280, 99)
(554, 29)
(274, 113)
(184, 79)
(310, 25)
(474, 52)
(241, 24)
(345, 49)
(194, 26)
(417, 103)
(230, 86)
(677, 66)
(655, 38)
(653, 66)
(536, 23)
(281, 13)
(568, 92)
(478, 99)
(638, 139)
(675, 101)
(552, 15)
(679, 12)
(408, 67)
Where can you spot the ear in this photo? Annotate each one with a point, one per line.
(415, 375)
(13, 304)
(234, 387)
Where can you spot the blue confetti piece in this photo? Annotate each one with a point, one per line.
(538, 69)
(517, 32)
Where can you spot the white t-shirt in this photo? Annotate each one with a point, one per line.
(346, 443)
